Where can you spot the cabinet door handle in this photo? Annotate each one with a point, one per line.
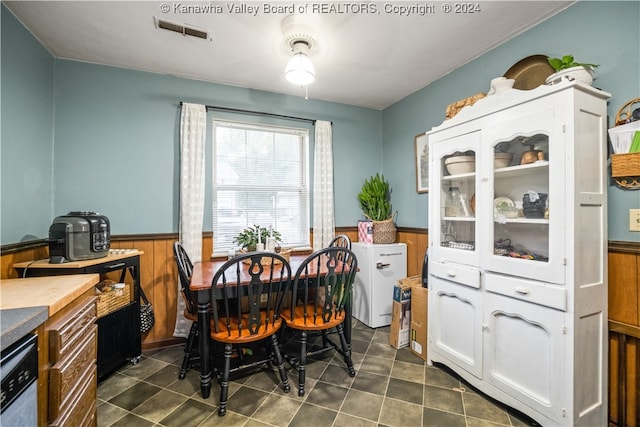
(451, 274)
(521, 290)
(380, 265)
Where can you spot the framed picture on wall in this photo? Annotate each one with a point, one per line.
(422, 163)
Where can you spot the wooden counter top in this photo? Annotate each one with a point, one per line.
(54, 292)
(114, 255)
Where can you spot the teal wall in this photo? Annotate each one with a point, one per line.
(117, 142)
(601, 32)
(108, 139)
(26, 138)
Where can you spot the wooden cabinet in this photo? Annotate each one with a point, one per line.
(518, 266)
(67, 381)
(525, 352)
(454, 293)
(119, 338)
(72, 355)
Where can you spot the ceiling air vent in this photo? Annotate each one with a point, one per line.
(183, 29)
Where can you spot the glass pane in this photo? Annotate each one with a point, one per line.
(457, 192)
(520, 199)
(259, 178)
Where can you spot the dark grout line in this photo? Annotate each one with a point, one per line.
(378, 336)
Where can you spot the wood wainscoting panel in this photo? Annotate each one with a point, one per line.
(624, 335)
(158, 277)
(623, 288)
(416, 240)
(8, 259)
(624, 380)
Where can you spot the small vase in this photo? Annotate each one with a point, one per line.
(499, 85)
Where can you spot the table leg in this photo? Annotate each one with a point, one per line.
(348, 321)
(203, 339)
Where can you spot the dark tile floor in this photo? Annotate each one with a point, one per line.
(391, 388)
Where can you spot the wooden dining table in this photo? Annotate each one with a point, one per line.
(201, 281)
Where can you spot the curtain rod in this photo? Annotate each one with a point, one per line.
(258, 113)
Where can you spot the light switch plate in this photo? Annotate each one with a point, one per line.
(634, 219)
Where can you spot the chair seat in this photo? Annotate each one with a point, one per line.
(299, 322)
(190, 316)
(245, 335)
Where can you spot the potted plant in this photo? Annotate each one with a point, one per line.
(566, 67)
(375, 202)
(248, 238)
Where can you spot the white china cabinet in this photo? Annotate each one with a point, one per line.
(517, 264)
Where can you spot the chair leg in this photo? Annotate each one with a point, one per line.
(224, 382)
(188, 348)
(325, 339)
(346, 350)
(280, 364)
(302, 363)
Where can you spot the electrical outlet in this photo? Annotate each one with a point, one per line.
(634, 219)
(263, 298)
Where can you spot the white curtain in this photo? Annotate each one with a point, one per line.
(323, 220)
(193, 127)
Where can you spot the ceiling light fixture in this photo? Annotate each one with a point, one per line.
(300, 38)
(300, 70)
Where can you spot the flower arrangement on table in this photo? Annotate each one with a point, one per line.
(257, 238)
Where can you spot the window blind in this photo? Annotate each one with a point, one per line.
(260, 177)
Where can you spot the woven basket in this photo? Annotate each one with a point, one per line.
(110, 300)
(285, 253)
(625, 112)
(625, 170)
(455, 107)
(384, 231)
(625, 167)
(627, 164)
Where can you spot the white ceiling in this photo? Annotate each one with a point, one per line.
(364, 59)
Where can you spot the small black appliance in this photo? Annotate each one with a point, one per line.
(77, 236)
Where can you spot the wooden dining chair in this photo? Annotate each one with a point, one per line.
(185, 269)
(319, 306)
(250, 289)
(341, 241)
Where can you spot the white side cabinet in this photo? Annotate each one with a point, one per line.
(517, 267)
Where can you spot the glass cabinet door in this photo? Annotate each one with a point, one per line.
(454, 163)
(524, 166)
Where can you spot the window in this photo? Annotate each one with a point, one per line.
(259, 177)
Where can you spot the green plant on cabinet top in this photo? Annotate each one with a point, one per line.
(567, 61)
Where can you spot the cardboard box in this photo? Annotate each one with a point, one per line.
(419, 307)
(401, 316)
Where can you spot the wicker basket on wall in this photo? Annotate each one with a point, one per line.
(625, 167)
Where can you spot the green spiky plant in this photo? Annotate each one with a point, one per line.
(567, 61)
(375, 198)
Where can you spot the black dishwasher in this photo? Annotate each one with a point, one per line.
(18, 373)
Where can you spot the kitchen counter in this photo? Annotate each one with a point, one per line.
(27, 303)
(18, 322)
